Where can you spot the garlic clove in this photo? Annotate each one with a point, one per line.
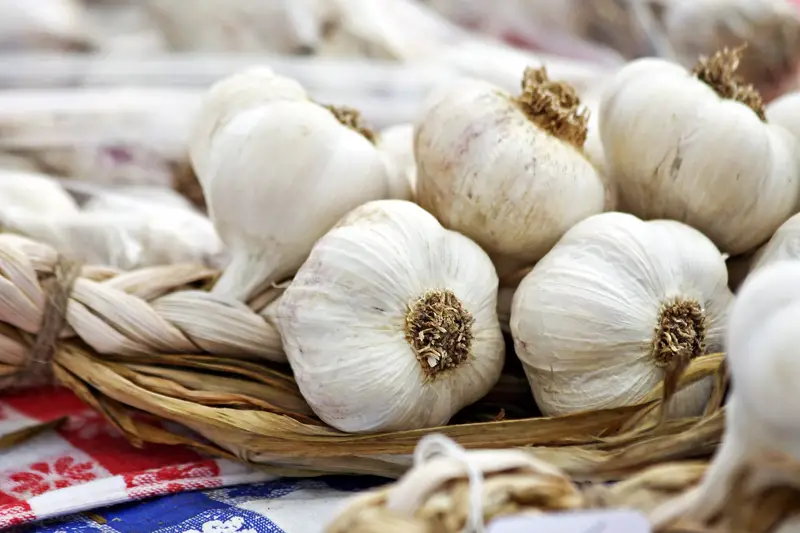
(243, 90)
(616, 306)
(279, 177)
(508, 172)
(673, 141)
(391, 323)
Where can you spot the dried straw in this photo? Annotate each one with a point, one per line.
(154, 341)
(424, 501)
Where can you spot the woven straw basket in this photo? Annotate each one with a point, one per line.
(155, 342)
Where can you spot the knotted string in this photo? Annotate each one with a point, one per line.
(431, 446)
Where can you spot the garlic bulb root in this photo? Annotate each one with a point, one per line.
(417, 341)
(507, 171)
(439, 330)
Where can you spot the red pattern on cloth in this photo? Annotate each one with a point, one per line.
(86, 463)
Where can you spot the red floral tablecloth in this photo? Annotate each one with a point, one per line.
(86, 463)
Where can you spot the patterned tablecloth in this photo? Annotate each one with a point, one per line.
(84, 464)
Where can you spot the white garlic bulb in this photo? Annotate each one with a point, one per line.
(396, 144)
(680, 147)
(391, 323)
(243, 90)
(613, 307)
(509, 173)
(279, 176)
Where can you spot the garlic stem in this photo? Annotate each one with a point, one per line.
(719, 73)
(553, 106)
(706, 499)
(351, 118)
(247, 275)
(439, 330)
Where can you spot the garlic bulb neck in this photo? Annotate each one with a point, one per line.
(680, 334)
(719, 73)
(439, 330)
(351, 118)
(553, 106)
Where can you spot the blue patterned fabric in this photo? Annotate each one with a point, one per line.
(237, 509)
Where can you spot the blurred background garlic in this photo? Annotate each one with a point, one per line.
(615, 307)
(696, 147)
(34, 193)
(277, 177)
(414, 344)
(508, 172)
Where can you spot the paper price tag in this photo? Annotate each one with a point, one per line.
(602, 521)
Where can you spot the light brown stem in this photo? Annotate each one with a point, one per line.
(719, 73)
(553, 106)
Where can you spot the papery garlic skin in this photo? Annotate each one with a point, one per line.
(396, 144)
(249, 88)
(345, 321)
(677, 150)
(488, 171)
(279, 177)
(584, 320)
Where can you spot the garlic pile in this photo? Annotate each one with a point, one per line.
(615, 307)
(391, 323)
(508, 172)
(695, 147)
(277, 172)
(762, 418)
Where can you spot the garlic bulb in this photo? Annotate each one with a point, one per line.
(761, 418)
(391, 323)
(34, 193)
(694, 147)
(509, 173)
(249, 88)
(784, 244)
(616, 306)
(396, 144)
(278, 177)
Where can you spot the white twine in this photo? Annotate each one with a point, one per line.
(431, 446)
